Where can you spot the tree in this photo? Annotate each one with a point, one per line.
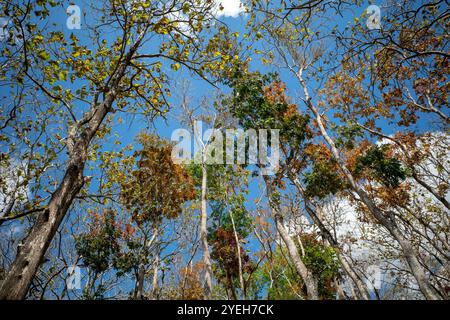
(151, 191)
(284, 282)
(257, 104)
(155, 191)
(286, 40)
(356, 107)
(110, 74)
(231, 224)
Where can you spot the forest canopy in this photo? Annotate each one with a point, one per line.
(224, 149)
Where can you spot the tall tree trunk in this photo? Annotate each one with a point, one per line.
(31, 252)
(303, 272)
(238, 252)
(204, 235)
(385, 219)
(139, 293)
(155, 278)
(363, 293)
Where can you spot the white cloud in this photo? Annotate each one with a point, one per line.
(230, 8)
(219, 8)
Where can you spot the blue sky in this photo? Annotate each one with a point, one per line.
(132, 125)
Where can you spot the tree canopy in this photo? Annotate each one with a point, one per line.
(345, 101)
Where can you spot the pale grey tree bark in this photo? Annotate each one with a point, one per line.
(307, 276)
(238, 252)
(204, 234)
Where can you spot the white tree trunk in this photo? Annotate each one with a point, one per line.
(303, 272)
(204, 234)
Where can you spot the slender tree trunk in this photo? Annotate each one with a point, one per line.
(31, 252)
(155, 278)
(91, 283)
(363, 293)
(204, 235)
(238, 251)
(308, 278)
(352, 291)
(139, 292)
(385, 219)
(304, 273)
